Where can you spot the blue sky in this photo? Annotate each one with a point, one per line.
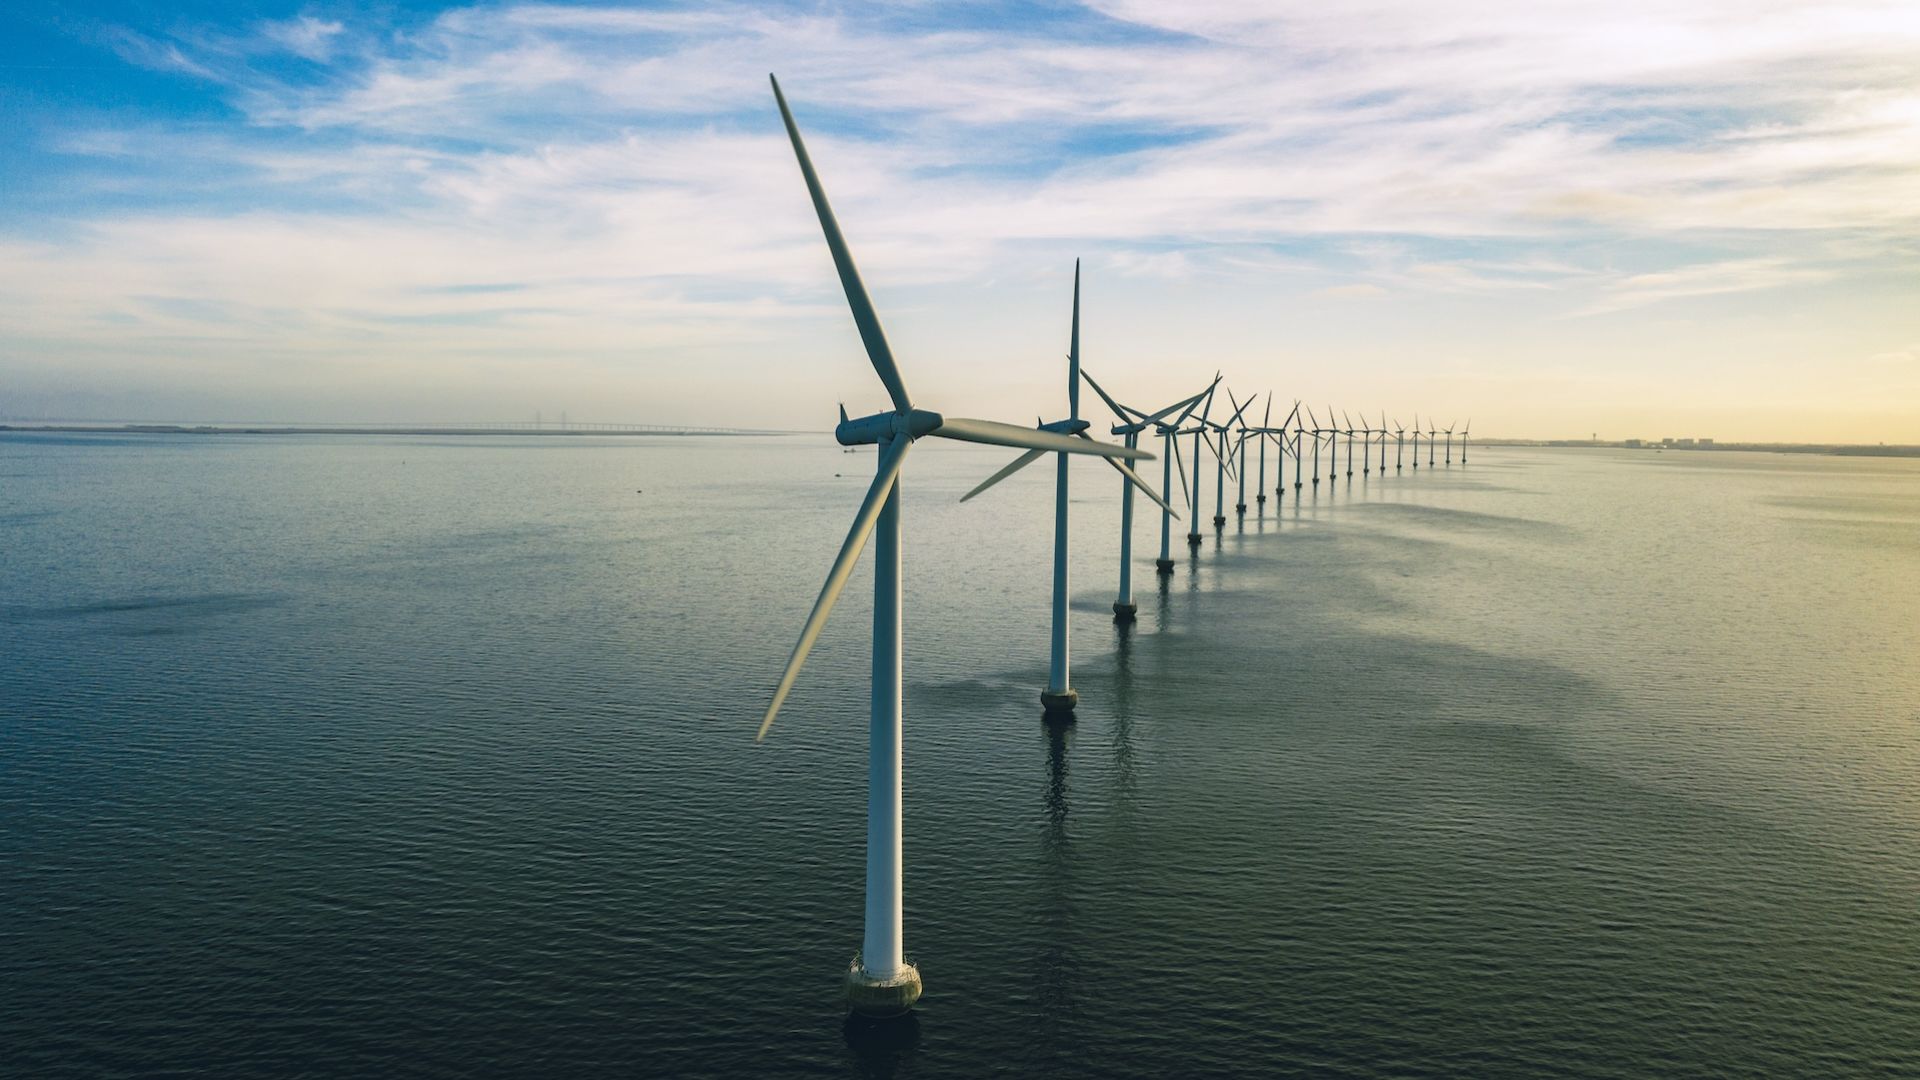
(1633, 218)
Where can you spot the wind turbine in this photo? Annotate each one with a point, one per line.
(1366, 448)
(1399, 445)
(1383, 442)
(1197, 431)
(1345, 419)
(1416, 442)
(1130, 427)
(1431, 432)
(1279, 437)
(880, 981)
(1240, 455)
(1299, 432)
(1218, 444)
(1059, 698)
(1316, 450)
(1464, 432)
(1260, 489)
(1449, 445)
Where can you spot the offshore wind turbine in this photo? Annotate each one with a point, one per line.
(1383, 442)
(1218, 444)
(1449, 433)
(1260, 489)
(1316, 447)
(1299, 432)
(1279, 437)
(1464, 432)
(1240, 455)
(1431, 432)
(1347, 420)
(879, 980)
(1416, 442)
(1198, 431)
(1399, 445)
(1130, 428)
(1366, 448)
(1059, 697)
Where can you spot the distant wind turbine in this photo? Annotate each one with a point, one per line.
(1132, 422)
(1222, 456)
(1279, 437)
(880, 980)
(1464, 432)
(1059, 697)
(1316, 448)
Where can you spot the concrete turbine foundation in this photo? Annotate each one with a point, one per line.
(877, 995)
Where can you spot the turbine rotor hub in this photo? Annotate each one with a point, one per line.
(887, 426)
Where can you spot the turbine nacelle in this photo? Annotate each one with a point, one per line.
(886, 426)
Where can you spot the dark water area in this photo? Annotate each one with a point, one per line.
(403, 756)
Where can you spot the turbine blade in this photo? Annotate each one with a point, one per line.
(863, 314)
(1119, 410)
(1186, 404)
(994, 433)
(883, 481)
(1018, 463)
(1137, 482)
(1238, 411)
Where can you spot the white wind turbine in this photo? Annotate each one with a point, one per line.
(1464, 432)
(1222, 462)
(1198, 431)
(1059, 698)
(1266, 422)
(880, 980)
(1132, 423)
(1279, 437)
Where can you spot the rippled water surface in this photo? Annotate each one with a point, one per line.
(341, 756)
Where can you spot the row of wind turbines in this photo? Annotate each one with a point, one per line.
(880, 982)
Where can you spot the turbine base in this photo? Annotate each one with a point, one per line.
(872, 995)
(1241, 508)
(1060, 705)
(1261, 499)
(1219, 520)
(1165, 566)
(1125, 612)
(1193, 539)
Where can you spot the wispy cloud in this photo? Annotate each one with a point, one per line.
(623, 169)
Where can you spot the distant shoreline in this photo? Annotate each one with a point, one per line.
(375, 429)
(1834, 449)
(1831, 449)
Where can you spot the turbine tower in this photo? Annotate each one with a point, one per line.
(1260, 489)
(1059, 698)
(1316, 450)
(1132, 423)
(880, 981)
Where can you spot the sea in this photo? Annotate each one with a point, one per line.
(418, 756)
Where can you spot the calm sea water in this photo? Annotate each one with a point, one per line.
(338, 756)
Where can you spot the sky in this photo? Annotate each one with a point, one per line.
(1556, 219)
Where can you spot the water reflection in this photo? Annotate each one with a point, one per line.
(1055, 992)
(882, 1048)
